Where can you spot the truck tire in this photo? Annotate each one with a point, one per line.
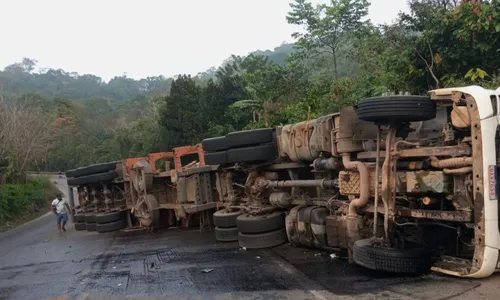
(112, 226)
(378, 258)
(78, 218)
(262, 240)
(92, 169)
(94, 178)
(104, 218)
(226, 234)
(257, 224)
(396, 109)
(91, 227)
(90, 218)
(223, 219)
(214, 144)
(80, 226)
(249, 137)
(266, 152)
(216, 158)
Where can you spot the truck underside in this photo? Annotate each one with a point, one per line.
(397, 182)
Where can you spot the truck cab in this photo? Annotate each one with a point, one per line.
(483, 119)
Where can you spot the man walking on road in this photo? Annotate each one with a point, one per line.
(60, 208)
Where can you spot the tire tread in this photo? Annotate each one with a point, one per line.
(397, 108)
(222, 219)
(258, 224)
(92, 169)
(226, 234)
(262, 240)
(412, 261)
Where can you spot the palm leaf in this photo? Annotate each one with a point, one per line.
(245, 104)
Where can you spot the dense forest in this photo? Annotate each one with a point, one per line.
(53, 120)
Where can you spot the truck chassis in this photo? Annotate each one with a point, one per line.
(400, 183)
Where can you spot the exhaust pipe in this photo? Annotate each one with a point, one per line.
(364, 184)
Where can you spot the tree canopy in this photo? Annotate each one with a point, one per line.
(338, 58)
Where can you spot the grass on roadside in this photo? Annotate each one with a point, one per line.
(20, 203)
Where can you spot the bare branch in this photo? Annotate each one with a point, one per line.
(430, 66)
(26, 132)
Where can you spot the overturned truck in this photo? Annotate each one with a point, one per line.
(402, 183)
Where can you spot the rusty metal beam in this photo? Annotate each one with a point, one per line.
(154, 157)
(197, 170)
(193, 208)
(461, 150)
(182, 209)
(370, 155)
(187, 150)
(454, 216)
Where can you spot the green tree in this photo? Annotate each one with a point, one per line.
(454, 41)
(327, 26)
(181, 113)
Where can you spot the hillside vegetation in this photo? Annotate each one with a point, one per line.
(54, 120)
(22, 202)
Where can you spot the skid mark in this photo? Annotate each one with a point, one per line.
(141, 284)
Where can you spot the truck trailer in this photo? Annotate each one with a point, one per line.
(157, 190)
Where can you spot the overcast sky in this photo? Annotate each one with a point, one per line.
(148, 37)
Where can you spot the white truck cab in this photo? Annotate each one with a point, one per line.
(483, 113)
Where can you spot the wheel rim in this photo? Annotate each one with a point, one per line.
(147, 211)
(140, 179)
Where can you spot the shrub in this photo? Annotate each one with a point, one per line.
(20, 199)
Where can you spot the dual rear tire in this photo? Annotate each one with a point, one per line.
(80, 221)
(225, 225)
(261, 231)
(246, 146)
(92, 174)
(106, 222)
(251, 232)
(100, 222)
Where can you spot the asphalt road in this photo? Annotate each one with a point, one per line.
(38, 263)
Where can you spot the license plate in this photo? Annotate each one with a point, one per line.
(492, 178)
